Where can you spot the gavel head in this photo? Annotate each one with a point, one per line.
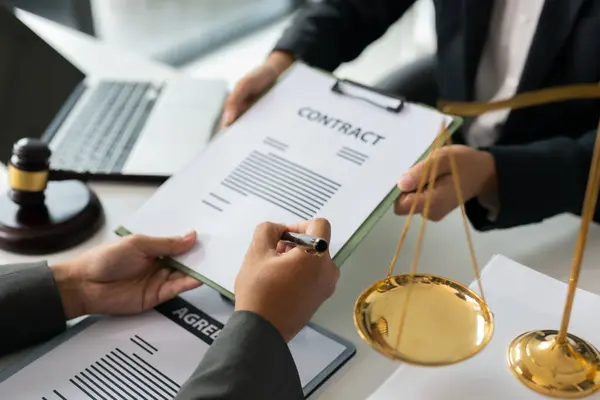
(28, 172)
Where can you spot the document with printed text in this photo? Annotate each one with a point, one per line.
(302, 151)
(150, 356)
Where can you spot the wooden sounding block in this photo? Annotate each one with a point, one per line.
(41, 216)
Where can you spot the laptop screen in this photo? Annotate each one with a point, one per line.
(35, 81)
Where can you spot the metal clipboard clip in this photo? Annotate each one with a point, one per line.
(377, 98)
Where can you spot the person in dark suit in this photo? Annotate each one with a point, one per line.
(250, 359)
(516, 168)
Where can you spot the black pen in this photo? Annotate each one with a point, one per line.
(307, 242)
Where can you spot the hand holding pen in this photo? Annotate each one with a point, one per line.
(310, 243)
(286, 286)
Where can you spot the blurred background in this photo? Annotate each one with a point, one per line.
(223, 38)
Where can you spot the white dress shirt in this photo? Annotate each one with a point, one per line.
(513, 24)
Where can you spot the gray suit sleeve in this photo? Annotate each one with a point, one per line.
(326, 33)
(249, 360)
(30, 306)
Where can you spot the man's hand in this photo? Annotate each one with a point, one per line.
(477, 174)
(125, 277)
(285, 285)
(253, 85)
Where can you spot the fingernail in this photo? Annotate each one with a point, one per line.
(189, 236)
(227, 117)
(406, 183)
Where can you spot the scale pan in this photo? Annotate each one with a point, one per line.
(445, 322)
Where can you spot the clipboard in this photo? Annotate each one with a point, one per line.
(361, 93)
(395, 104)
(349, 349)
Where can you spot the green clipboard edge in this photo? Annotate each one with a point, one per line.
(342, 255)
(369, 223)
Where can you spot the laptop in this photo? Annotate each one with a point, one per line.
(105, 126)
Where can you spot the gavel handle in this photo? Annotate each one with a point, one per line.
(64, 175)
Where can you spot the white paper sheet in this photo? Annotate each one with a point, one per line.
(147, 356)
(301, 152)
(522, 300)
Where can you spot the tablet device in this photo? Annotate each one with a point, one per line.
(152, 354)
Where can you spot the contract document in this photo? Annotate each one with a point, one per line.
(150, 356)
(302, 151)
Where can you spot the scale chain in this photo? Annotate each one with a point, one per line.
(581, 91)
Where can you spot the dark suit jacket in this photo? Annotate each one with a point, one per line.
(544, 153)
(249, 359)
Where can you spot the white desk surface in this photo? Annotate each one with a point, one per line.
(547, 247)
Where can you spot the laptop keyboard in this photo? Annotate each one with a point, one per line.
(104, 131)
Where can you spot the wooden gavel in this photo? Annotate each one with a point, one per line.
(45, 210)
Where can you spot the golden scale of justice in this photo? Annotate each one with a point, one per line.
(429, 320)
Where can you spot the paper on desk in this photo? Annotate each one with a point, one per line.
(521, 300)
(301, 152)
(147, 356)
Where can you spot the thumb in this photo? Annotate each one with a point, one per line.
(319, 227)
(227, 118)
(409, 181)
(266, 237)
(163, 246)
(238, 99)
(230, 112)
